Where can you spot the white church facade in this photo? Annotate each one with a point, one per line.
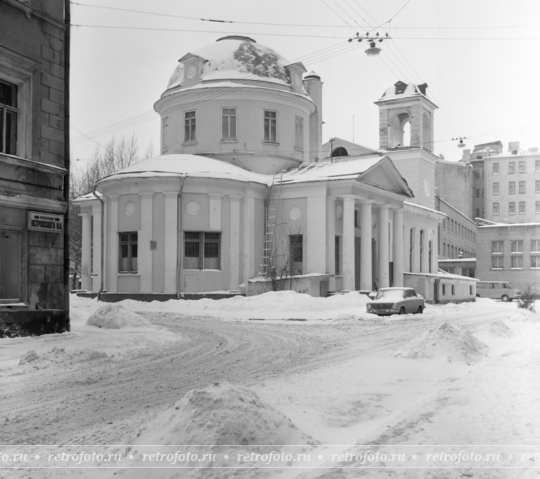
(244, 188)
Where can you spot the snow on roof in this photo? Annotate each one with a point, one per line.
(422, 207)
(508, 225)
(443, 274)
(458, 260)
(404, 90)
(188, 166)
(87, 197)
(327, 170)
(236, 57)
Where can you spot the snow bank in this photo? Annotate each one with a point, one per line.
(114, 316)
(447, 342)
(494, 328)
(59, 357)
(227, 419)
(524, 315)
(271, 305)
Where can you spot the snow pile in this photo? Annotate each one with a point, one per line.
(494, 328)
(272, 305)
(524, 315)
(222, 419)
(59, 357)
(448, 342)
(115, 316)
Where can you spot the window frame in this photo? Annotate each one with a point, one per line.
(497, 262)
(190, 127)
(202, 241)
(337, 256)
(496, 188)
(495, 247)
(226, 121)
(296, 249)
(520, 165)
(129, 243)
(270, 126)
(521, 187)
(512, 208)
(517, 258)
(511, 167)
(522, 207)
(516, 246)
(496, 209)
(299, 133)
(496, 168)
(511, 187)
(19, 70)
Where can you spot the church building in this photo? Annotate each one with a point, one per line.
(244, 195)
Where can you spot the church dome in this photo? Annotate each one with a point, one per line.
(236, 58)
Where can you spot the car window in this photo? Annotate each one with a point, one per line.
(412, 293)
(390, 294)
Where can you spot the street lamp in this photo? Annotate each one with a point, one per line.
(373, 50)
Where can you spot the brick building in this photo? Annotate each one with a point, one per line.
(34, 167)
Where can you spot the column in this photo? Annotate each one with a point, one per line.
(145, 236)
(96, 266)
(316, 234)
(113, 245)
(248, 253)
(366, 283)
(234, 253)
(398, 247)
(171, 241)
(384, 247)
(348, 242)
(86, 257)
(331, 241)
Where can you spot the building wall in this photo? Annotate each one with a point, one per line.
(457, 234)
(478, 192)
(32, 58)
(529, 177)
(455, 184)
(517, 277)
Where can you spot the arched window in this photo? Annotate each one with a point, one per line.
(340, 151)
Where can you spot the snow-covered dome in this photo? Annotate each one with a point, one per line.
(186, 165)
(236, 57)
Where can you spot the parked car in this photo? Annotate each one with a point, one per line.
(396, 301)
(496, 290)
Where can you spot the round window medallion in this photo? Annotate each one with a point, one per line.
(295, 213)
(193, 208)
(192, 70)
(339, 212)
(130, 208)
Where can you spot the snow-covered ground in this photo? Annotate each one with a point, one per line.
(317, 379)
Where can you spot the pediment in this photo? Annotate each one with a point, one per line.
(384, 174)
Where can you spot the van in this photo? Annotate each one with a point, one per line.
(496, 290)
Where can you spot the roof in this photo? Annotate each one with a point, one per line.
(187, 166)
(402, 90)
(236, 57)
(360, 169)
(508, 225)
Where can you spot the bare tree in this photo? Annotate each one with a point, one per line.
(115, 156)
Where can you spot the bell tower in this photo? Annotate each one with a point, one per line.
(406, 117)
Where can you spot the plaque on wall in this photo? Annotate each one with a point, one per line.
(45, 222)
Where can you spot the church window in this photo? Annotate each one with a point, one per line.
(296, 251)
(128, 252)
(228, 123)
(270, 125)
(189, 126)
(299, 133)
(202, 250)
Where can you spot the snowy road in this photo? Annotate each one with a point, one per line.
(338, 380)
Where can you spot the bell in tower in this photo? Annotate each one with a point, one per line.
(406, 117)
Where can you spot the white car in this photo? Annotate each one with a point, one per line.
(396, 301)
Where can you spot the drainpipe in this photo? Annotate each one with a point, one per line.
(67, 26)
(179, 235)
(102, 241)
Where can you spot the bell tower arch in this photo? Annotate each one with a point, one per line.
(406, 117)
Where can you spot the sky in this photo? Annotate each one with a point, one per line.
(480, 59)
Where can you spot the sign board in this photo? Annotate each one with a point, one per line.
(45, 222)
